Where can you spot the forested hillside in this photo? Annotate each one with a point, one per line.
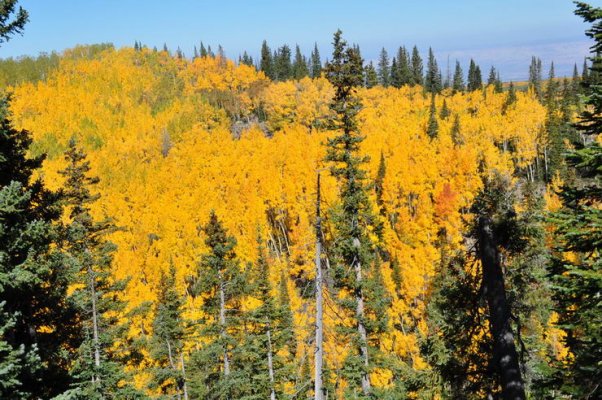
(446, 225)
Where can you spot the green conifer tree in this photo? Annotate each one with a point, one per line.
(352, 248)
(458, 81)
(219, 281)
(283, 67)
(316, 63)
(38, 324)
(432, 80)
(371, 79)
(416, 68)
(432, 127)
(266, 63)
(99, 369)
(403, 66)
(167, 341)
(578, 279)
(299, 65)
(384, 70)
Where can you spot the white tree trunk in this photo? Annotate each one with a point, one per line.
(222, 322)
(95, 333)
(319, 350)
(270, 365)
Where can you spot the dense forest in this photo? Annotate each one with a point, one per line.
(292, 228)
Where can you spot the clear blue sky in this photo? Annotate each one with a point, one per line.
(505, 33)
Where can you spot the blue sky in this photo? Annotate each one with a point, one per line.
(505, 33)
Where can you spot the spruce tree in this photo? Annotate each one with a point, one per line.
(316, 63)
(99, 368)
(283, 67)
(384, 71)
(416, 68)
(578, 278)
(403, 67)
(371, 79)
(445, 112)
(203, 51)
(432, 127)
(475, 81)
(432, 80)
(221, 284)
(299, 65)
(38, 322)
(167, 341)
(492, 77)
(456, 132)
(352, 247)
(535, 76)
(395, 78)
(266, 63)
(458, 82)
(510, 98)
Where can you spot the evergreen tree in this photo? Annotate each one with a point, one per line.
(246, 59)
(432, 81)
(195, 53)
(492, 77)
(384, 72)
(300, 65)
(475, 81)
(510, 98)
(270, 347)
(219, 281)
(12, 21)
(203, 51)
(432, 127)
(352, 247)
(167, 342)
(416, 68)
(535, 76)
(578, 278)
(403, 67)
(498, 84)
(38, 325)
(445, 112)
(458, 82)
(283, 68)
(266, 63)
(371, 79)
(395, 78)
(552, 89)
(316, 63)
(456, 132)
(99, 369)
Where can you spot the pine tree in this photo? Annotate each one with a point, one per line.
(270, 346)
(432, 127)
(203, 51)
(456, 132)
(510, 98)
(384, 71)
(316, 63)
(283, 68)
(371, 76)
(432, 81)
(352, 247)
(578, 278)
(535, 76)
(492, 77)
(416, 68)
(445, 112)
(458, 82)
(266, 64)
(395, 78)
(403, 67)
(220, 282)
(299, 65)
(35, 346)
(475, 81)
(99, 369)
(166, 344)
(12, 21)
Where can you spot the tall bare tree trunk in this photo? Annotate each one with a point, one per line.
(319, 350)
(222, 322)
(359, 315)
(270, 365)
(504, 349)
(95, 334)
(184, 386)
